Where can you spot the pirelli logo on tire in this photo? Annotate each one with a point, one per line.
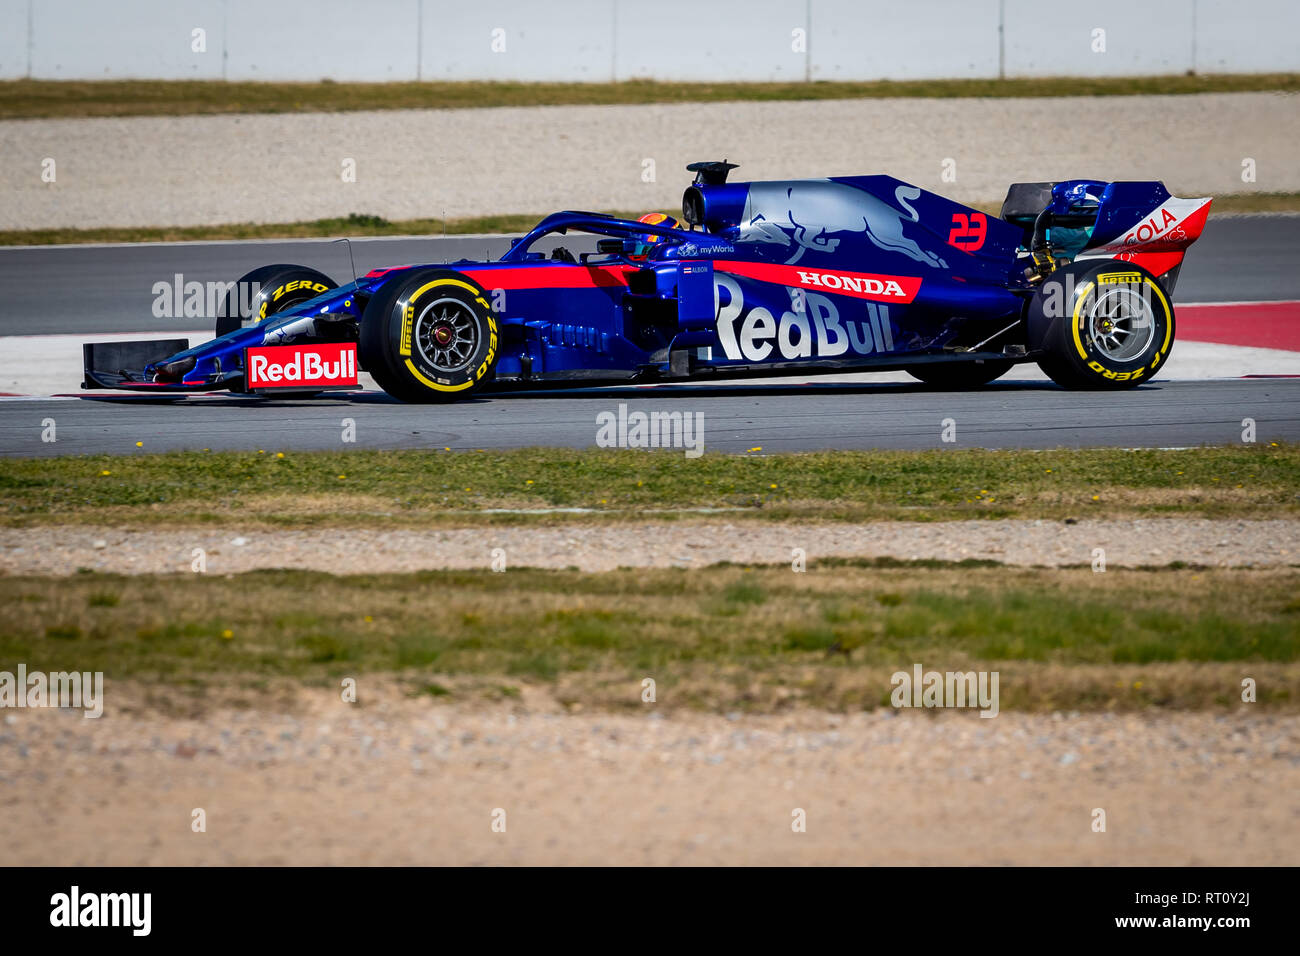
(1115, 376)
(408, 321)
(492, 347)
(316, 287)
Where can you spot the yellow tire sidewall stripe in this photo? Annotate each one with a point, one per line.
(434, 385)
(408, 316)
(1081, 296)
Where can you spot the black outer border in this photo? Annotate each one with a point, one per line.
(785, 910)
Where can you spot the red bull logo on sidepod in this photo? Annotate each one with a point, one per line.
(811, 328)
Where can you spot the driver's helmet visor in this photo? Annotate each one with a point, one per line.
(646, 241)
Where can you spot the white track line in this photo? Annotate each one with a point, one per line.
(36, 366)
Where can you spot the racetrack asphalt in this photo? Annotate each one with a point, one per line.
(735, 418)
(110, 288)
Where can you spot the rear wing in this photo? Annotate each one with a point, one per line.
(1138, 222)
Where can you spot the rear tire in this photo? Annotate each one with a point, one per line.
(959, 374)
(429, 336)
(273, 289)
(1101, 325)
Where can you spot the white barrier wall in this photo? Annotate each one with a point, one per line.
(1102, 38)
(889, 40)
(1230, 33)
(345, 40)
(13, 38)
(601, 40)
(710, 40)
(491, 39)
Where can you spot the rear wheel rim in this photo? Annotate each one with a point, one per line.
(447, 335)
(1121, 324)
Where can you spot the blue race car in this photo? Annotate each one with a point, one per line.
(762, 278)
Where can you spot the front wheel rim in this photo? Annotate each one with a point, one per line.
(447, 335)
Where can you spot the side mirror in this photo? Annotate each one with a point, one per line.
(616, 246)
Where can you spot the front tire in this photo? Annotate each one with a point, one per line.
(269, 290)
(959, 374)
(1102, 325)
(429, 336)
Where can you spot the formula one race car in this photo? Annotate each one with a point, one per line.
(764, 278)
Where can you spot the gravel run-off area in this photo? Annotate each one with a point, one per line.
(392, 780)
(601, 547)
(202, 170)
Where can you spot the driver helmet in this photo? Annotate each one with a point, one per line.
(648, 239)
